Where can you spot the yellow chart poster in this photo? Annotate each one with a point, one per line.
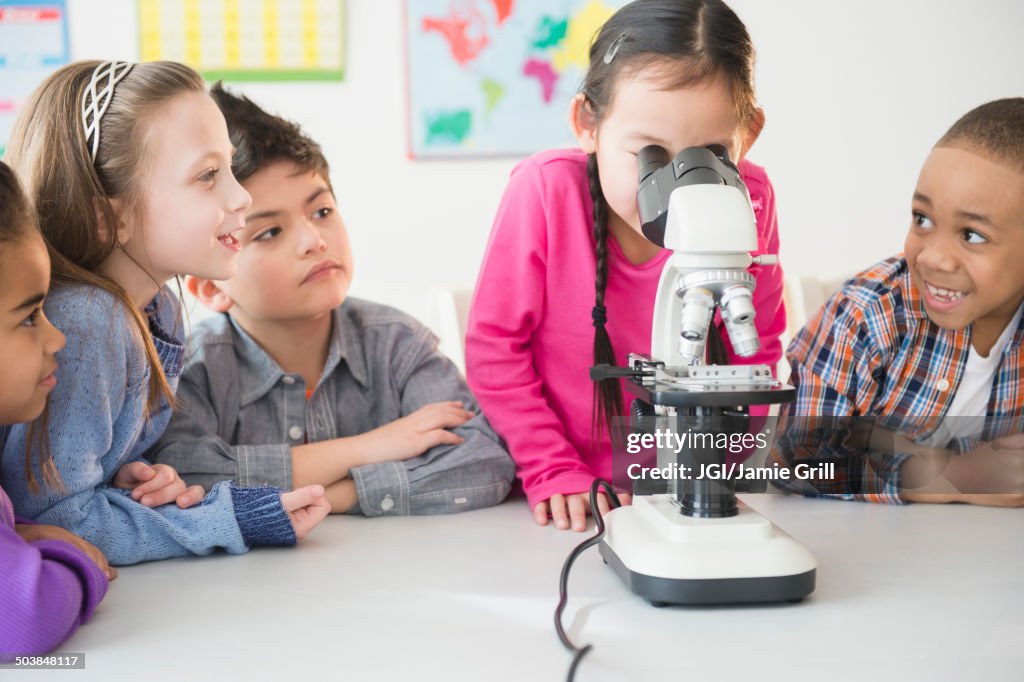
(247, 39)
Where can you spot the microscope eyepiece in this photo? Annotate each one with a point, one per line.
(649, 159)
(720, 151)
(723, 155)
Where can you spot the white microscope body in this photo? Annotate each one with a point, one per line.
(696, 543)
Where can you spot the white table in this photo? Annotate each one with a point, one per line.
(923, 592)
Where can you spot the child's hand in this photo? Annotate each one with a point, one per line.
(992, 474)
(32, 533)
(306, 508)
(415, 434)
(156, 485)
(573, 508)
(996, 467)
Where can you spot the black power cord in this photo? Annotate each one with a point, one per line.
(563, 581)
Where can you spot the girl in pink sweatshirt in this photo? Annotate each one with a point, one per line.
(569, 281)
(50, 579)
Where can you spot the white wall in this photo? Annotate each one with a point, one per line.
(856, 93)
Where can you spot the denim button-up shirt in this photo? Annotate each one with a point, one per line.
(239, 413)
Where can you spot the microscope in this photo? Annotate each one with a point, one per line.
(693, 541)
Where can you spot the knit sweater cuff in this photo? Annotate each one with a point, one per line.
(94, 580)
(261, 517)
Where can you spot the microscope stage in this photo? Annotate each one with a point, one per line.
(724, 395)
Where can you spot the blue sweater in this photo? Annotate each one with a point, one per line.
(98, 423)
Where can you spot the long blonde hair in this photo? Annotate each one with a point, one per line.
(72, 194)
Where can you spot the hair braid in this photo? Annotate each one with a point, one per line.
(607, 394)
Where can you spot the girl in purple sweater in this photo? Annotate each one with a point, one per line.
(50, 579)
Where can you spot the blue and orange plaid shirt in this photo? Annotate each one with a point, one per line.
(871, 354)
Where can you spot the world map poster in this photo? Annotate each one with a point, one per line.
(495, 77)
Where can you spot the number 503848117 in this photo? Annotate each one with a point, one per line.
(61, 661)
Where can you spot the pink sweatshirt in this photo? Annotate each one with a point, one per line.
(529, 345)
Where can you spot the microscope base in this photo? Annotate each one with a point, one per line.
(669, 558)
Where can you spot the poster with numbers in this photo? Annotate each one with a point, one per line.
(33, 44)
(252, 40)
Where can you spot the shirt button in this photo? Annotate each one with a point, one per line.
(943, 385)
(295, 432)
(288, 379)
(387, 504)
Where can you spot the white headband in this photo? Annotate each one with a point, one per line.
(94, 104)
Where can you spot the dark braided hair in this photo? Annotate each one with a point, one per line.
(699, 40)
(607, 396)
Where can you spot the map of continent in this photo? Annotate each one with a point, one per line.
(495, 77)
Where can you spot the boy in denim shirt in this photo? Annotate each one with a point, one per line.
(293, 383)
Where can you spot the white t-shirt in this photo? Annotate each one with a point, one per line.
(966, 415)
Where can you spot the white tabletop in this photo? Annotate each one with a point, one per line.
(904, 593)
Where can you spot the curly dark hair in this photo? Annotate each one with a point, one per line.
(15, 211)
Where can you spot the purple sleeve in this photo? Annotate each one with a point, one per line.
(48, 589)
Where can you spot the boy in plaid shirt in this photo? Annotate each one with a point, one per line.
(909, 377)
